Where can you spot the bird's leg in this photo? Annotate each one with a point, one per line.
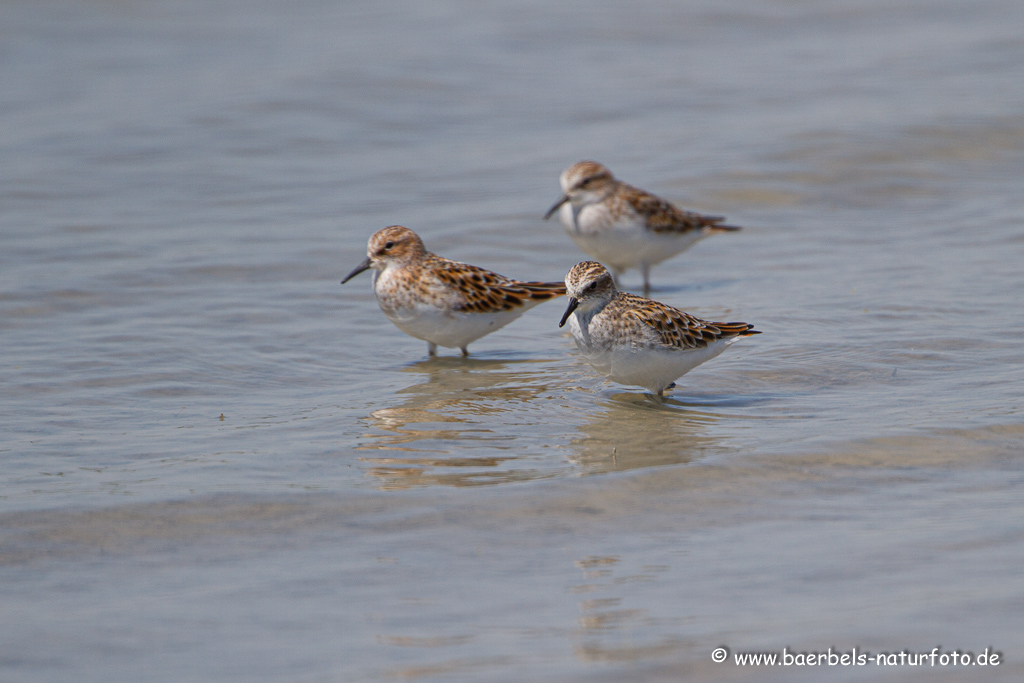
(646, 270)
(431, 349)
(465, 351)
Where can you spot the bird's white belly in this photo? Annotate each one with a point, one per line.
(649, 367)
(450, 329)
(622, 244)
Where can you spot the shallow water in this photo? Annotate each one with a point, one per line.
(216, 463)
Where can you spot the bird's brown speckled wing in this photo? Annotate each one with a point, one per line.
(482, 291)
(662, 217)
(681, 330)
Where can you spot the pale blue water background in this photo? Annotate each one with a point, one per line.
(183, 185)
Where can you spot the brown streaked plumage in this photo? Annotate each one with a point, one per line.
(443, 302)
(663, 217)
(674, 327)
(634, 340)
(625, 226)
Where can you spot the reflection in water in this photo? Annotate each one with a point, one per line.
(488, 405)
(636, 430)
(608, 629)
(496, 408)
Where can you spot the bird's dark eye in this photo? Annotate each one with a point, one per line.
(593, 285)
(388, 245)
(586, 182)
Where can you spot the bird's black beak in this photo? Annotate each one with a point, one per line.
(573, 303)
(557, 206)
(365, 265)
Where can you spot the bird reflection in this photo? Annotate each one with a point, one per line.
(634, 430)
(609, 630)
(463, 402)
(475, 422)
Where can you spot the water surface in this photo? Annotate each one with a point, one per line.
(216, 463)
